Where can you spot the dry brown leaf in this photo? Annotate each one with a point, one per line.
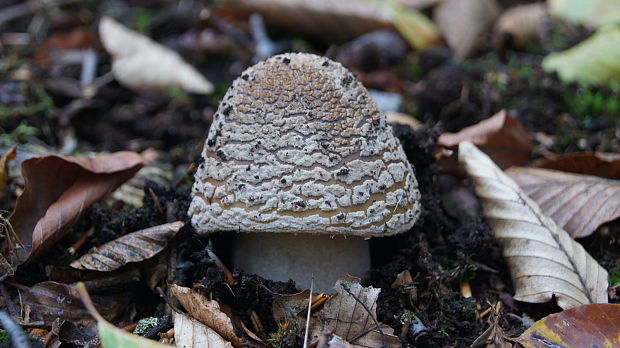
(132, 247)
(58, 189)
(343, 316)
(577, 203)
(602, 164)
(401, 118)
(521, 24)
(191, 333)
(339, 20)
(464, 22)
(78, 38)
(50, 300)
(207, 312)
(594, 325)
(4, 169)
(501, 137)
(543, 259)
(142, 64)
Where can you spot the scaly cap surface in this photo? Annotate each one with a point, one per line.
(297, 145)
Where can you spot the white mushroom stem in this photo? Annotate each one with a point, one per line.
(283, 256)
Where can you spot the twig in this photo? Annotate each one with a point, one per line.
(18, 337)
(346, 288)
(309, 311)
(26, 8)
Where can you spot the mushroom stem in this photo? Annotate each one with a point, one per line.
(283, 256)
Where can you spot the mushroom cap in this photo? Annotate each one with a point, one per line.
(298, 145)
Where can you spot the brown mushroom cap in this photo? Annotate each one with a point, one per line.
(297, 145)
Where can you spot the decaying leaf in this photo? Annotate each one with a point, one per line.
(593, 325)
(464, 22)
(401, 118)
(521, 24)
(142, 64)
(592, 13)
(351, 314)
(4, 169)
(58, 189)
(501, 137)
(606, 165)
(577, 203)
(132, 247)
(593, 61)
(207, 312)
(191, 333)
(50, 300)
(339, 20)
(110, 335)
(543, 259)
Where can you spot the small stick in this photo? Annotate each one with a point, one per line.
(309, 311)
(157, 203)
(18, 337)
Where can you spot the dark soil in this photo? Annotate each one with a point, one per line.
(449, 246)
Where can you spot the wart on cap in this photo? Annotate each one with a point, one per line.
(297, 146)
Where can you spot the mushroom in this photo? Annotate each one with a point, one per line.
(300, 162)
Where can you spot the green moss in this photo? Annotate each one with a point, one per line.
(3, 336)
(593, 108)
(144, 325)
(18, 134)
(614, 277)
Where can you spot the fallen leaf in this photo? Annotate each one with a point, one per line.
(339, 20)
(544, 261)
(132, 247)
(592, 61)
(592, 13)
(593, 325)
(191, 333)
(78, 38)
(401, 118)
(606, 165)
(58, 189)
(464, 22)
(577, 203)
(50, 300)
(111, 336)
(4, 169)
(501, 137)
(142, 64)
(493, 336)
(288, 306)
(207, 312)
(343, 316)
(521, 24)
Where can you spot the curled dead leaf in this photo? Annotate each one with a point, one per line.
(577, 203)
(544, 261)
(58, 189)
(207, 312)
(501, 137)
(464, 22)
(593, 325)
(132, 247)
(4, 168)
(606, 165)
(521, 24)
(140, 63)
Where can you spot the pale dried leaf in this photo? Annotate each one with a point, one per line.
(142, 64)
(592, 13)
(394, 117)
(207, 312)
(543, 259)
(464, 22)
(577, 203)
(58, 189)
(522, 23)
(343, 316)
(191, 333)
(132, 247)
(500, 136)
(339, 20)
